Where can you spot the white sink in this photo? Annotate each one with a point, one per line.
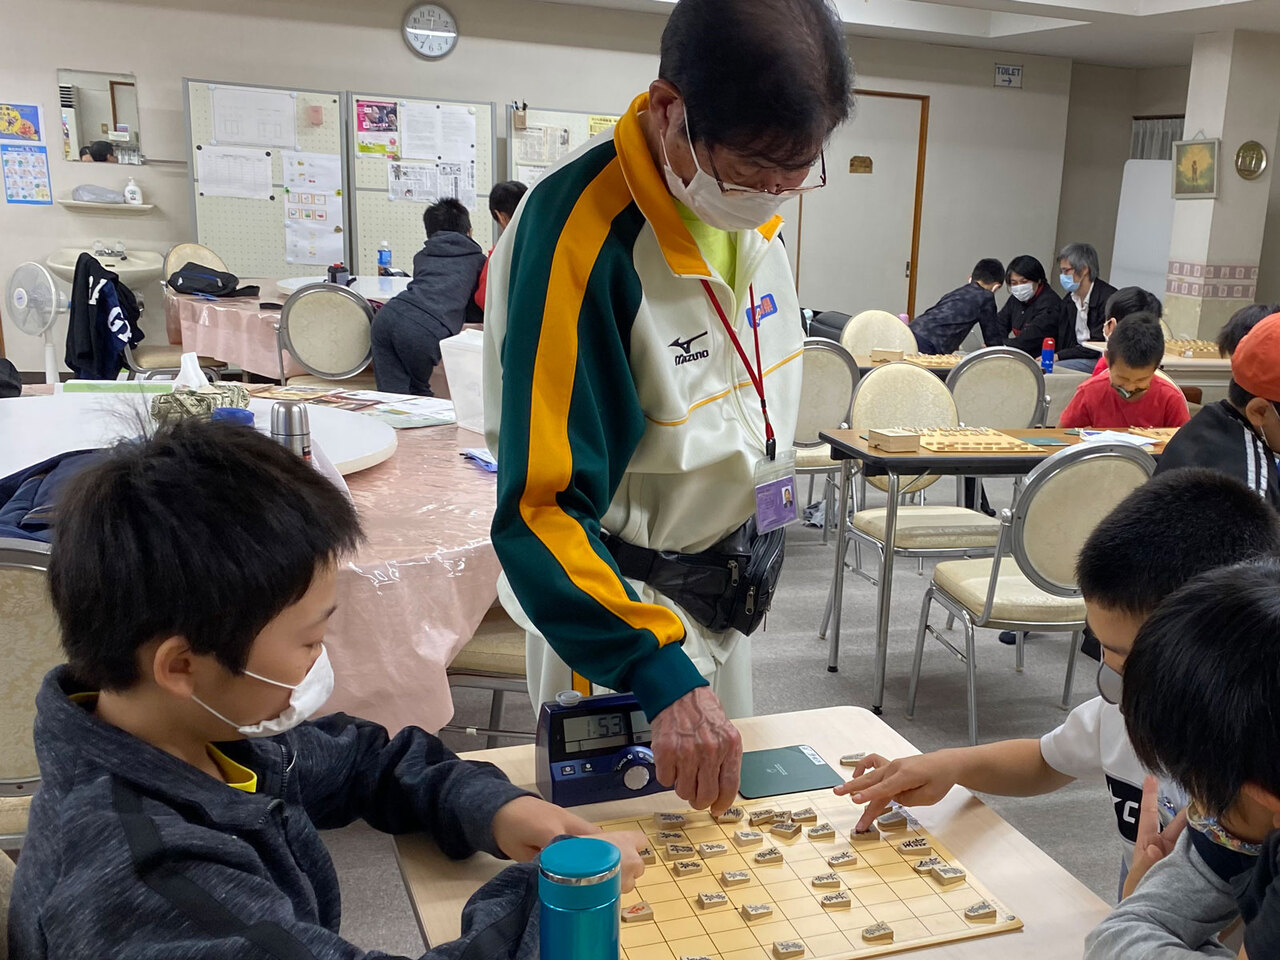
(135, 268)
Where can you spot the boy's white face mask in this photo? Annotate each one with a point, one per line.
(307, 697)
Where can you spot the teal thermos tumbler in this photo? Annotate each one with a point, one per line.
(579, 883)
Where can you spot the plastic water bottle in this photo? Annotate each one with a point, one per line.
(1046, 355)
(384, 259)
(579, 883)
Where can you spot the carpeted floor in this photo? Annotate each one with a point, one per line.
(1072, 825)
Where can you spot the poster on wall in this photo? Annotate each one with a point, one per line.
(21, 123)
(26, 174)
(243, 172)
(411, 181)
(244, 115)
(378, 128)
(313, 219)
(599, 123)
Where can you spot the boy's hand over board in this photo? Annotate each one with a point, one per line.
(912, 781)
(523, 827)
(1153, 844)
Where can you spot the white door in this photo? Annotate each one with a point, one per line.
(855, 234)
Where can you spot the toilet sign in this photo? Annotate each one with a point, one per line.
(1009, 75)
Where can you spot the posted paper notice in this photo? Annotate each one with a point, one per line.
(243, 172)
(313, 220)
(26, 174)
(378, 127)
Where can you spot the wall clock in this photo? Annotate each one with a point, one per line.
(430, 30)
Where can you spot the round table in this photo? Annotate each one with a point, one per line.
(381, 289)
(33, 429)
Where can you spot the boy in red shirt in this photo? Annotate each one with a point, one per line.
(1128, 393)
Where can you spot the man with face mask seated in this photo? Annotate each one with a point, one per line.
(642, 377)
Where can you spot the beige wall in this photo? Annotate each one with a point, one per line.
(980, 194)
(1104, 101)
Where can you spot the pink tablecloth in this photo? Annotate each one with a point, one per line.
(417, 589)
(236, 330)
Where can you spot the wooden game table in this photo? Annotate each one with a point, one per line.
(1056, 909)
(848, 445)
(939, 367)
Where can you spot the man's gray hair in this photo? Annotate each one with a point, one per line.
(1081, 255)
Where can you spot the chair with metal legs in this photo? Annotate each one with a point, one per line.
(1030, 583)
(906, 395)
(826, 396)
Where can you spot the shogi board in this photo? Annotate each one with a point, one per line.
(1163, 434)
(931, 360)
(1192, 348)
(883, 885)
(973, 440)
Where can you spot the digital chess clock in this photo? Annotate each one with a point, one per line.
(593, 749)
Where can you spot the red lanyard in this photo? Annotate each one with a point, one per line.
(756, 374)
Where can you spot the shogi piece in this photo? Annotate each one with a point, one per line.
(981, 912)
(765, 857)
(894, 440)
(680, 851)
(836, 901)
(785, 949)
(886, 354)
(670, 836)
(823, 831)
(845, 858)
(916, 846)
(781, 816)
(878, 933)
(807, 815)
(647, 856)
(669, 819)
(825, 880)
(731, 878)
(756, 911)
(927, 864)
(708, 850)
(757, 817)
(732, 815)
(948, 875)
(699, 957)
(852, 759)
(687, 868)
(712, 899)
(747, 838)
(869, 835)
(788, 830)
(891, 821)
(637, 912)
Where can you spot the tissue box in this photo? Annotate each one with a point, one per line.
(169, 408)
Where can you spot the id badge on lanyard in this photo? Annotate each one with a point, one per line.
(775, 474)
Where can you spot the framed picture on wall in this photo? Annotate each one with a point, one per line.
(1195, 169)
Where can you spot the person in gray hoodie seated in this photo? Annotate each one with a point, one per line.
(407, 331)
(183, 781)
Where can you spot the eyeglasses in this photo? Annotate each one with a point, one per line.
(731, 188)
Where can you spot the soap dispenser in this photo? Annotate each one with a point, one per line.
(132, 193)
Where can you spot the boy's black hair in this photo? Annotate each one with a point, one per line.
(1174, 527)
(100, 150)
(1238, 396)
(1241, 322)
(988, 270)
(85, 151)
(1139, 342)
(504, 197)
(766, 78)
(446, 214)
(1202, 683)
(1130, 300)
(207, 531)
(1027, 267)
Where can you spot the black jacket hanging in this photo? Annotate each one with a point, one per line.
(104, 318)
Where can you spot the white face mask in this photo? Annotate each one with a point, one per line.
(307, 697)
(724, 211)
(1022, 291)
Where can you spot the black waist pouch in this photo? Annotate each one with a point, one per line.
(729, 586)
(197, 278)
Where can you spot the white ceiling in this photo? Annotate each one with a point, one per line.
(1128, 33)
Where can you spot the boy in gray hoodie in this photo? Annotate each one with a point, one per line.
(183, 785)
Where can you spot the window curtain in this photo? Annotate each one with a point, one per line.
(1153, 139)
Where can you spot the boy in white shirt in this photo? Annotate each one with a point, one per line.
(1168, 531)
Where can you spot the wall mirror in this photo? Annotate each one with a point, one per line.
(99, 117)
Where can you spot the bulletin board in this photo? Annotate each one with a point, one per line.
(547, 136)
(397, 138)
(249, 232)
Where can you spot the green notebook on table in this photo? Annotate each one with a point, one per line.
(796, 769)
